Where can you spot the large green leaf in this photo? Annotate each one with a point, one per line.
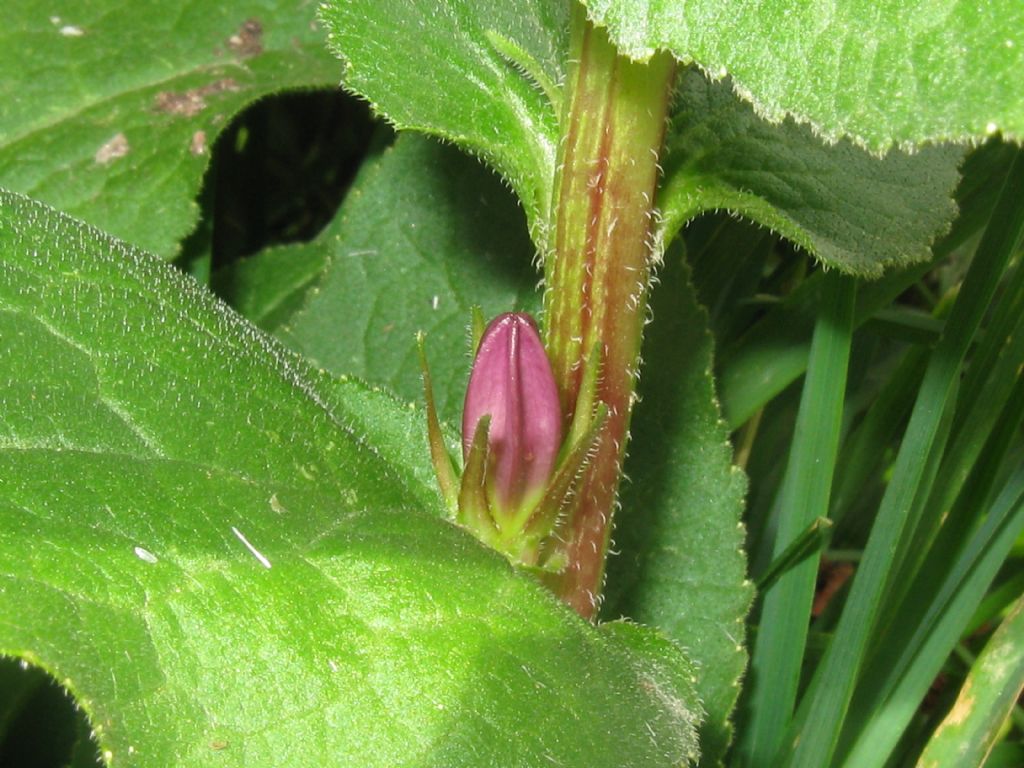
(850, 209)
(882, 73)
(681, 565)
(196, 541)
(481, 74)
(425, 234)
(111, 108)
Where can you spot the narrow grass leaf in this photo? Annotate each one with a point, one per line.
(822, 711)
(934, 638)
(782, 635)
(814, 538)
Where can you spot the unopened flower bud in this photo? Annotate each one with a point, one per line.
(512, 382)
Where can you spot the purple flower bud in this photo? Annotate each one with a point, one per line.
(512, 381)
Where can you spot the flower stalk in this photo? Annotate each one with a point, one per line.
(598, 273)
(545, 424)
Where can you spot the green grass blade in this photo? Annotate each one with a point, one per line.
(824, 707)
(990, 692)
(779, 651)
(910, 325)
(958, 518)
(814, 538)
(950, 609)
(860, 456)
(994, 361)
(905, 558)
(999, 598)
(988, 385)
(774, 352)
(961, 521)
(900, 623)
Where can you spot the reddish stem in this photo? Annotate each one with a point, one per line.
(598, 274)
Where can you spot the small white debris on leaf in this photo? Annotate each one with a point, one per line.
(255, 552)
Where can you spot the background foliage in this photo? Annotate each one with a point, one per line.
(219, 533)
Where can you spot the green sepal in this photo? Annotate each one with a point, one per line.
(474, 510)
(447, 480)
(544, 516)
(477, 326)
(550, 560)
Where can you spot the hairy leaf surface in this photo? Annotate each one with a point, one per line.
(851, 209)
(681, 565)
(882, 73)
(197, 541)
(480, 74)
(425, 234)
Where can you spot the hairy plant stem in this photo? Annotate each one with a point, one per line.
(597, 276)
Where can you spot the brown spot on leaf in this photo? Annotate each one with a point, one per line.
(112, 150)
(193, 101)
(198, 144)
(248, 40)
